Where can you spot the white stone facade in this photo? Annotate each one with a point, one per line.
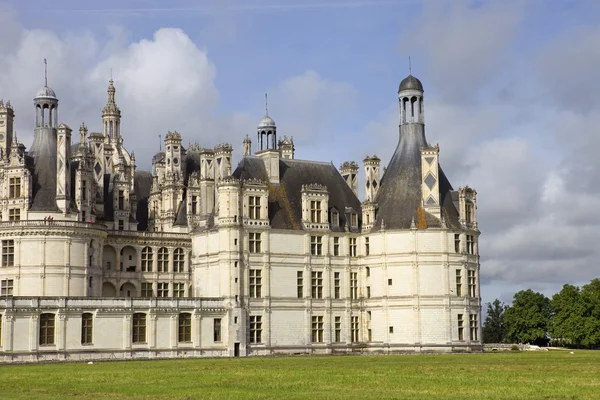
(193, 259)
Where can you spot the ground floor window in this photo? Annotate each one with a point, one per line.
(139, 328)
(354, 329)
(317, 329)
(87, 326)
(47, 329)
(474, 327)
(255, 329)
(185, 327)
(217, 329)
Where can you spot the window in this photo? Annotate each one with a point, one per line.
(335, 218)
(338, 329)
(147, 289)
(84, 190)
(470, 244)
(6, 288)
(217, 329)
(138, 328)
(391, 329)
(461, 327)
(315, 211)
(178, 290)
(368, 271)
(354, 219)
(14, 187)
(87, 326)
(147, 259)
(352, 247)
(474, 326)
(254, 242)
(121, 225)
(163, 289)
(0, 330)
(163, 259)
(472, 283)
(469, 212)
(316, 245)
(458, 283)
(185, 327)
(354, 329)
(194, 205)
(367, 247)
(368, 292)
(336, 246)
(317, 329)
(389, 282)
(178, 260)
(255, 329)
(46, 329)
(8, 253)
(299, 282)
(354, 285)
(14, 214)
(254, 207)
(336, 285)
(317, 285)
(255, 280)
(83, 216)
(457, 243)
(121, 200)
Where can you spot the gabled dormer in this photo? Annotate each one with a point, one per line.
(315, 203)
(255, 200)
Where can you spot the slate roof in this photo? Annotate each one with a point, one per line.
(285, 199)
(142, 183)
(43, 152)
(410, 83)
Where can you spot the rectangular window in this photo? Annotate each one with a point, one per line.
(315, 211)
(391, 329)
(185, 327)
(335, 218)
(178, 260)
(461, 327)
(336, 246)
(337, 285)
(83, 216)
(369, 335)
(194, 205)
(47, 329)
(121, 200)
(472, 283)
(8, 253)
(255, 329)
(147, 289)
(317, 329)
(14, 187)
(470, 244)
(162, 290)
(254, 207)
(121, 225)
(316, 245)
(458, 282)
(83, 190)
(354, 329)
(354, 285)
(254, 242)
(317, 285)
(146, 259)
(469, 212)
(87, 326)
(457, 243)
(474, 326)
(163, 259)
(389, 282)
(14, 214)
(368, 271)
(178, 290)
(352, 242)
(138, 326)
(368, 292)
(367, 247)
(338, 329)
(354, 219)
(0, 330)
(300, 283)
(255, 279)
(217, 329)
(6, 288)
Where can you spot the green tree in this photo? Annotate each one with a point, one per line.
(568, 320)
(494, 330)
(590, 298)
(527, 318)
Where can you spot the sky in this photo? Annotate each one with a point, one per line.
(511, 97)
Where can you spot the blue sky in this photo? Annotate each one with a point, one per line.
(510, 95)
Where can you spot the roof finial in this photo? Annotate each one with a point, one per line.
(409, 66)
(45, 73)
(266, 105)
(111, 79)
(160, 141)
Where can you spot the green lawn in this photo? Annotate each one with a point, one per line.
(511, 375)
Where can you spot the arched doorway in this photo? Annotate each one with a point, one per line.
(128, 290)
(109, 290)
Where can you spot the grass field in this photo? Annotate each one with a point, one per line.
(511, 375)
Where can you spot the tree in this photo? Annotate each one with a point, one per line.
(527, 318)
(494, 330)
(568, 320)
(590, 298)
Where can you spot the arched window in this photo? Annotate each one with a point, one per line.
(147, 259)
(163, 259)
(178, 260)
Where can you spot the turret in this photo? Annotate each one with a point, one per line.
(63, 168)
(286, 148)
(372, 177)
(111, 116)
(349, 171)
(7, 116)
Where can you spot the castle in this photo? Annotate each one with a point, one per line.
(196, 258)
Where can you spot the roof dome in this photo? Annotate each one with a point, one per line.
(266, 122)
(45, 92)
(410, 83)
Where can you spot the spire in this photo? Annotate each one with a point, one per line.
(409, 66)
(266, 105)
(45, 73)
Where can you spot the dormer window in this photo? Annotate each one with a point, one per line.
(354, 219)
(315, 211)
(469, 212)
(254, 207)
(335, 218)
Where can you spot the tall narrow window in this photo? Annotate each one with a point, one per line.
(6, 287)
(178, 260)
(354, 219)
(255, 280)
(217, 329)
(300, 284)
(338, 329)
(458, 282)
(461, 327)
(335, 218)
(468, 212)
(47, 329)
(8, 253)
(163, 259)
(194, 205)
(147, 259)
(352, 246)
(178, 289)
(472, 283)
(254, 242)
(254, 207)
(336, 246)
(354, 285)
(354, 328)
(0, 330)
(185, 327)
(316, 245)
(14, 214)
(368, 292)
(121, 200)
(255, 329)
(138, 326)
(474, 326)
(317, 284)
(121, 225)
(147, 289)
(83, 190)
(87, 326)
(368, 271)
(470, 244)
(163, 289)
(317, 329)
(14, 187)
(315, 211)
(336, 285)
(367, 247)
(457, 243)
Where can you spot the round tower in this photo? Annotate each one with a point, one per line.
(410, 97)
(267, 131)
